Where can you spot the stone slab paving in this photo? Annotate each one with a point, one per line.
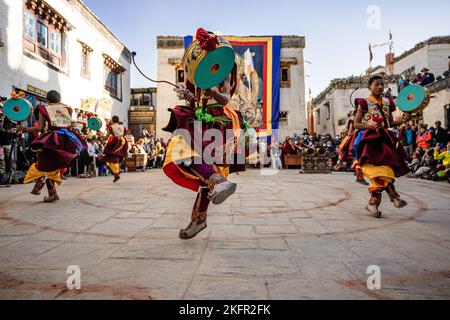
(286, 236)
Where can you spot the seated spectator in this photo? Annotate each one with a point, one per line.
(423, 138)
(290, 148)
(415, 163)
(443, 169)
(140, 147)
(426, 166)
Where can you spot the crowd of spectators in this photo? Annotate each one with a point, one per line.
(16, 155)
(427, 149)
(88, 165)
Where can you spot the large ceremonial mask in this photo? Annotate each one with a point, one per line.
(17, 110)
(413, 98)
(59, 115)
(208, 62)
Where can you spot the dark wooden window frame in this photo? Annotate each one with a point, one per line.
(111, 66)
(86, 52)
(285, 83)
(177, 76)
(34, 47)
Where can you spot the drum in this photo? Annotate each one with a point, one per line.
(17, 110)
(208, 69)
(95, 123)
(413, 98)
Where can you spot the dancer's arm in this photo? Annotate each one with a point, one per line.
(405, 118)
(184, 94)
(39, 128)
(224, 95)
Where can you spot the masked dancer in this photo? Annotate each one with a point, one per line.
(185, 164)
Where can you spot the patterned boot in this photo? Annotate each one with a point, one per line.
(395, 197)
(220, 188)
(374, 203)
(52, 194)
(38, 186)
(197, 224)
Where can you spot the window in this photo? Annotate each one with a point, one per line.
(136, 99)
(409, 72)
(85, 72)
(318, 116)
(42, 35)
(283, 117)
(111, 82)
(85, 60)
(30, 25)
(42, 39)
(113, 76)
(147, 99)
(55, 41)
(285, 77)
(328, 110)
(180, 75)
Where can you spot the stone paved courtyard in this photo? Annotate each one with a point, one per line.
(287, 236)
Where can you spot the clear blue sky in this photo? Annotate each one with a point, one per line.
(336, 32)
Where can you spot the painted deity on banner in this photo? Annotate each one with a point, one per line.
(249, 93)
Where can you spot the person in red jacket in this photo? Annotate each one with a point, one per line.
(423, 138)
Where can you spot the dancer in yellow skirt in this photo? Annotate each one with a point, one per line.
(116, 147)
(56, 147)
(381, 157)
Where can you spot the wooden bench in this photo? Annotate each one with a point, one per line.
(136, 161)
(292, 160)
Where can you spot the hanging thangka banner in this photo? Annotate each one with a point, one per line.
(257, 95)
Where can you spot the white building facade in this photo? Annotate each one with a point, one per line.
(61, 45)
(292, 91)
(331, 107)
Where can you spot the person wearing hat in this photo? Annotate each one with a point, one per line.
(423, 138)
(427, 77)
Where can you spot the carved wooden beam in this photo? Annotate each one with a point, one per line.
(47, 13)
